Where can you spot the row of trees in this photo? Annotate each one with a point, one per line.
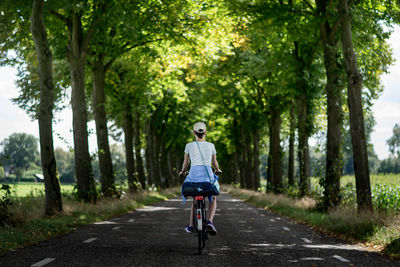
(257, 71)
(292, 62)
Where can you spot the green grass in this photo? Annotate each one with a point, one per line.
(29, 225)
(378, 230)
(24, 189)
(387, 179)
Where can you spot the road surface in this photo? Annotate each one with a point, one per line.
(155, 236)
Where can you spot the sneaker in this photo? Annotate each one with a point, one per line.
(211, 228)
(189, 230)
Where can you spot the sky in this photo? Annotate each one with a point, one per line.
(14, 120)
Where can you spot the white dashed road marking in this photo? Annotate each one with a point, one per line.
(43, 262)
(285, 228)
(340, 258)
(116, 228)
(131, 220)
(306, 240)
(90, 240)
(271, 220)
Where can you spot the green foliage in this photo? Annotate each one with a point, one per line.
(5, 203)
(1, 172)
(394, 141)
(389, 165)
(386, 197)
(19, 151)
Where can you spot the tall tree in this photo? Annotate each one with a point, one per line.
(53, 202)
(329, 26)
(354, 86)
(80, 33)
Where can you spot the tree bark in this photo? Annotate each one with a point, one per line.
(53, 201)
(149, 156)
(130, 162)
(76, 55)
(357, 128)
(303, 143)
(291, 145)
(256, 158)
(333, 90)
(276, 151)
(138, 156)
(269, 164)
(100, 117)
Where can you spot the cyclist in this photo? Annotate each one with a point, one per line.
(201, 155)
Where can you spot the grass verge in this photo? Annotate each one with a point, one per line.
(379, 231)
(31, 226)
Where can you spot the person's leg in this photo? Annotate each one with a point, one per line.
(212, 209)
(191, 215)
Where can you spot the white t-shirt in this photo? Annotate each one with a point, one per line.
(207, 148)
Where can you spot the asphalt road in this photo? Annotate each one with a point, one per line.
(155, 236)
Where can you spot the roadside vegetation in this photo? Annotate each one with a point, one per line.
(27, 224)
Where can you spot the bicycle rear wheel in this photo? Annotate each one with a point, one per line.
(200, 241)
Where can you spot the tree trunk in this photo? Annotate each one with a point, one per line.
(76, 58)
(236, 171)
(269, 163)
(166, 179)
(276, 151)
(100, 117)
(139, 161)
(256, 158)
(357, 128)
(130, 162)
(291, 145)
(303, 143)
(149, 156)
(249, 162)
(335, 117)
(53, 201)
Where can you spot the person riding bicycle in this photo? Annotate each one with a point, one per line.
(201, 155)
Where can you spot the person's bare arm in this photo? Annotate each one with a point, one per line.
(214, 162)
(185, 164)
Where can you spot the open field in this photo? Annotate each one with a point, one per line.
(24, 189)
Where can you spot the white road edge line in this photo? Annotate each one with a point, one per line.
(285, 228)
(90, 240)
(340, 258)
(43, 262)
(116, 228)
(306, 240)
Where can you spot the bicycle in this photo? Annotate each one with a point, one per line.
(200, 215)
(199, 220)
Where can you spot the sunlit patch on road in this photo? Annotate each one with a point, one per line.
(90, 240)
(106, 222)
(341, 247)
(155, 208)
(43, 262)
(339, 258)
